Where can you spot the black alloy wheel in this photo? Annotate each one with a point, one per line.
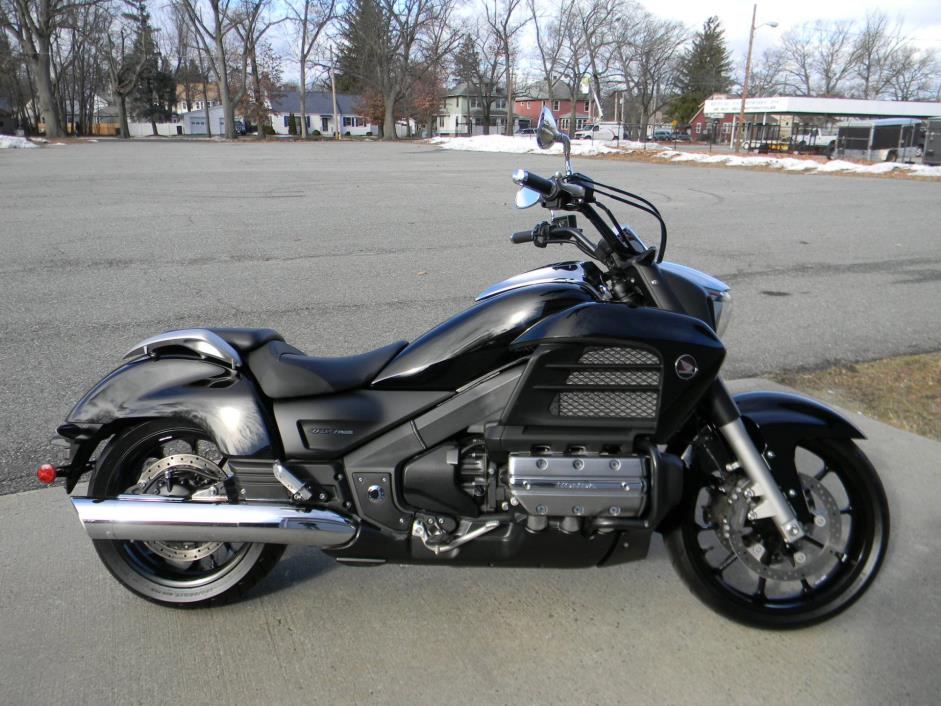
(743, 569)
(174, 459)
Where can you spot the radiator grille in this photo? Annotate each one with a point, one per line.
(638, 405)
(613, 382)
(618, 356)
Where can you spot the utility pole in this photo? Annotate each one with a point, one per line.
(741, 113)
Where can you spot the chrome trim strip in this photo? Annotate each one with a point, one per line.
(152, 518)
(199, 340)
(562, 273)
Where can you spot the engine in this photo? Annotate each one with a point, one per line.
(459, 478)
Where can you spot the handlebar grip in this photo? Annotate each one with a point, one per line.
(546, 187)
(522, 236)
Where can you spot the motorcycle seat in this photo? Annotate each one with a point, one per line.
(283, 371)
(245, 340)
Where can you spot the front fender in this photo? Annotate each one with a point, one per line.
(222, 401)
(784, 417)
(777, 422)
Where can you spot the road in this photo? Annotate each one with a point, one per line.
(348, 246)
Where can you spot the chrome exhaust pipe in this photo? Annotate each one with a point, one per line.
(155, 518)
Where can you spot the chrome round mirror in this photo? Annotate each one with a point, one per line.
(546, 130)
(526, 197)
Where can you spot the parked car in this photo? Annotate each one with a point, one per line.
(662, 135)
(681, 137)
(600, 131)
(526, 132)
(814, 142)
(240, 128)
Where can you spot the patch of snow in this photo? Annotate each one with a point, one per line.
(800, 165)
(523, 144)
(11, 142)
(39, 140)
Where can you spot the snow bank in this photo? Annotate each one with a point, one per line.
(523, 144)
(800, 165)
(9, 142)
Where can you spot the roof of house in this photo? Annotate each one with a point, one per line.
(316, 102)
(464, 89)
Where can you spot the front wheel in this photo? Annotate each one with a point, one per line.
(174, 459)
(743, 569)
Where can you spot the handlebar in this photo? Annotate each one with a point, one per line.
(522, 236)
(546, 187)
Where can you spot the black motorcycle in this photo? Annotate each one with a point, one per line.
(569, 414)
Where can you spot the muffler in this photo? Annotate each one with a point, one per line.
(155, 518)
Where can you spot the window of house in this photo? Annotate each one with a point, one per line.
(475, 102)
(580, 123)
(442, 121)
(555, 105)
(564, 124)
(587, 106)
(698, 128)
(353, 121)
(501, 104)
(307, 120)
(286, 121)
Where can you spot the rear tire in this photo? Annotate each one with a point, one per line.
(802, 590)
(210, 573)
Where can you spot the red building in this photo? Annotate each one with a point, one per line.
(719, 126)
(527, 105)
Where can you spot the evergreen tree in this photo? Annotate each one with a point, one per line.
(706, 68)
(362, 37)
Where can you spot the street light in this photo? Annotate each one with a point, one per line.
(751, 40)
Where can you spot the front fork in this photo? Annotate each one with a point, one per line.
(771, 501)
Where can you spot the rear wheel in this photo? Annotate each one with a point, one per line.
(743, 569)
(174, 459)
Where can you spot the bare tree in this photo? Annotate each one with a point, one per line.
(914, 74)
(819, 58)
(126, 60)
(506, 21)
(252, 21)
(35, 24)
(310, 19)
(596, 18)
(767, 74)
(478, 66)
(550, 39)
(213, 21)
(645, 50)
(875, 52)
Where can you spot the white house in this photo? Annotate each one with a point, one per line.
(319, 106)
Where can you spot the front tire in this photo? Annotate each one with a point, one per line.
(744, 571)
(176, 574)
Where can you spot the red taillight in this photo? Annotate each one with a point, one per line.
(46, 473)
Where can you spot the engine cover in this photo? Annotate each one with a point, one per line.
(582, 486)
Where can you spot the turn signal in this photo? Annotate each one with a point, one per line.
(46, 473)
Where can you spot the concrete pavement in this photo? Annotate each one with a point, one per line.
(316, 632)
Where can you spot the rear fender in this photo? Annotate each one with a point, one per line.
(218, 399)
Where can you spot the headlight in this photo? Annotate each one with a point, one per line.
(721, 309)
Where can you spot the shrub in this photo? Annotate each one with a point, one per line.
(292, 124)
(268, 130)
(315, 133)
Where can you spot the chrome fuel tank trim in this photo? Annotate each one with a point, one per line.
(584, 274)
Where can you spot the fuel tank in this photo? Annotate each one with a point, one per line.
(477, 341)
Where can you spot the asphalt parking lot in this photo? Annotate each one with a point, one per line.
(347, 246)
(343, 247)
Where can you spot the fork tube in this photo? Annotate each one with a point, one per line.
(771, 501)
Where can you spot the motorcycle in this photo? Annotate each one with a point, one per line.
(565, 417)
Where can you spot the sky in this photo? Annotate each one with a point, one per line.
(921, 18)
